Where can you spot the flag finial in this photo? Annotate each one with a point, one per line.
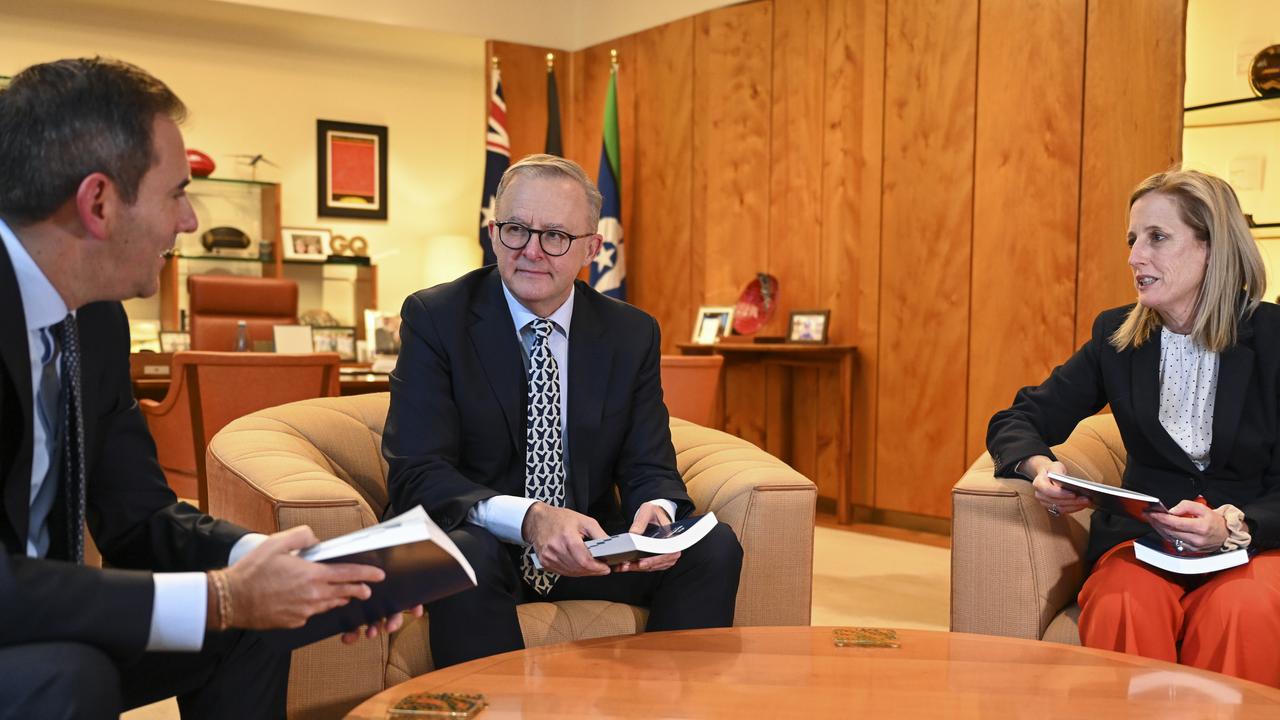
(551, 61)
(494, 60)
(613, 57)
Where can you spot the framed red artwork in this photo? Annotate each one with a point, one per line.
(351, 163)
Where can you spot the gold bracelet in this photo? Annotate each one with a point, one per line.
(221, 587)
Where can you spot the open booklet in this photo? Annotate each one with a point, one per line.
(1111, 498)
(421, 562)
(656, 540)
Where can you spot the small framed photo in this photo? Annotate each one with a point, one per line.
(382, 332)
(351, 160)
(172, 342)
(308, 244)
(341, 340)
(712, 323)
(808, 326)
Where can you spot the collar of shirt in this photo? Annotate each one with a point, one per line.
(522, 316)
(41, 303)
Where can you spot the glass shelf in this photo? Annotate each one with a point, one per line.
(1244, 111)
(233, 181)
(221, 258)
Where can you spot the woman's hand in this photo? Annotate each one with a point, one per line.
(1055, 498)
(1193, 524)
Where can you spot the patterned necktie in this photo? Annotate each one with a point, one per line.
(49, 413)
(73, 473)
(544, 454)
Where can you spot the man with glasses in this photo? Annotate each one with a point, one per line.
(526, 415)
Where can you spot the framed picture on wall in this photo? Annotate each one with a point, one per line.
(712, 323)
(308, 244)
(351, 164)
(808, 326)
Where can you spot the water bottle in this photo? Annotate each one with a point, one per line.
(242, 336)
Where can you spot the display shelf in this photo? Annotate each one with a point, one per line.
(1243, 111)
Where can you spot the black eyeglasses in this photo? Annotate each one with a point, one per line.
(555, 243)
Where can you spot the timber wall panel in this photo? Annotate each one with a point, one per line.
(795, 213)
(659, 274)
(849, 279)
(930, 58)
(1026, 200)
(731, 166)
(1134, 74)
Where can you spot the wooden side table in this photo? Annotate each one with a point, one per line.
(800, 355)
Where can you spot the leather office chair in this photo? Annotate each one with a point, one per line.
(691, 387)
(207, 390)
(219, 302)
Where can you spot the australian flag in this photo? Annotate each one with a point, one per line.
(609, 270)
(497, 157)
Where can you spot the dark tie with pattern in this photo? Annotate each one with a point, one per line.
(73, 470)
(544, 454)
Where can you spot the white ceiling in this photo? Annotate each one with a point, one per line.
(563, 24)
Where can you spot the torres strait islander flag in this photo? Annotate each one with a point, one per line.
(497, 157)
(609, 270)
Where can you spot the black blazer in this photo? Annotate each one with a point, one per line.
(455, 431)
(133, 516)
(1244, 457)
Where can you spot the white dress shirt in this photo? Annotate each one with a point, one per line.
(1188, 389)
(503, 515)
(178, 610)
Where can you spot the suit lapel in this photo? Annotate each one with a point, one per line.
(1146, 403)
(16, 363)
(494, 338)
(1235, 369)
(590, 362)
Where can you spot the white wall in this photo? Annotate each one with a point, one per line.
(256, 80)
(1222, 38)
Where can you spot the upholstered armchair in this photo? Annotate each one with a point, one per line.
(219, 302)
(1015, 571)
(319, 463)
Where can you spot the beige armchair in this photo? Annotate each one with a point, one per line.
(1015, 571)
(319, 462)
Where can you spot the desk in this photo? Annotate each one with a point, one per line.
(797, 672)
(793, 355)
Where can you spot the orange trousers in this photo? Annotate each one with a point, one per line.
(1227, 622)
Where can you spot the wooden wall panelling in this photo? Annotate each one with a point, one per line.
(1026, 200)
(659, 275)
(1134, 73)
(795, 217)
(731, 169)
(930, 58)
(849, 275)
(524, 86)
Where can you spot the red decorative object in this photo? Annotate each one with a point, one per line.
(755, 305)
(201, 164)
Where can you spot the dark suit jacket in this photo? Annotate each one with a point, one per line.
(133, 516)
(455, 431)
(1244, 457)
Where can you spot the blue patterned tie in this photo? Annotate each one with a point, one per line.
(544, 454)
(73, 474)
(49, 413)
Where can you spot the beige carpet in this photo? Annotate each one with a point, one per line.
(858, 579)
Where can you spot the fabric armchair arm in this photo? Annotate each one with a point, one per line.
(770, 508)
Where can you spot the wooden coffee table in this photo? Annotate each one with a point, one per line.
(798, 672)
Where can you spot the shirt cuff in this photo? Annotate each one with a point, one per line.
(178, 612)
(502, 515)
(667, 505)
(243, 546)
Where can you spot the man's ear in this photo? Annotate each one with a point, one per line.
(96, 203)
(593, 248)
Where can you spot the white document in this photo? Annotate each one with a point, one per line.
(293, 338)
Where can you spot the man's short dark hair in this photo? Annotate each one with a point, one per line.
(64, 120)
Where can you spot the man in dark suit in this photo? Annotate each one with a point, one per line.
(92, 178)
(526, 414)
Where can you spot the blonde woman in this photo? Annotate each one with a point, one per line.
(1192, 374)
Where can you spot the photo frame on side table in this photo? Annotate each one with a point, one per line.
(712, 323)
(808, 326)
(341, 340)
(309, 244)
(351, 165)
